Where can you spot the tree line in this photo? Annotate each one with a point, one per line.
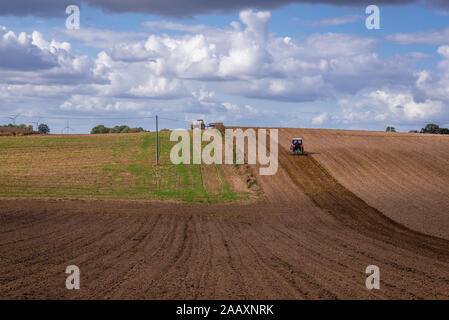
(430, 128)
(434, 129)
(101, 129)
(42, 128)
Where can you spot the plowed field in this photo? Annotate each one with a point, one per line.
(310, 237)
(404, 175)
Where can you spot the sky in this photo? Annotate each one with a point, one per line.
(309, 64)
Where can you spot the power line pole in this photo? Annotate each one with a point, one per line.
(157, 142)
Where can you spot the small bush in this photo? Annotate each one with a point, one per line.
(43, 129)
(390, 129)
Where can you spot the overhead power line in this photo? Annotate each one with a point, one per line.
(40, 117)
(14, 117)
(175, 120)
(81, 118)
(37, 122)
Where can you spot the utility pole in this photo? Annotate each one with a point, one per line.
(157, 142)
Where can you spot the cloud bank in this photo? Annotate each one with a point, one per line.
(179, 8)
(207, 72)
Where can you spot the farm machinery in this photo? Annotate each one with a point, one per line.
(297, 147)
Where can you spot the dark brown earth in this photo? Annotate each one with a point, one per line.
(404, 175)
(310, 238)
(9, 131)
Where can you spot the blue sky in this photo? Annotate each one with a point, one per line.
(296, 65)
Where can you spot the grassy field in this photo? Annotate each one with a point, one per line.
(104, 167)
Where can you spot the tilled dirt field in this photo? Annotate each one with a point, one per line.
(404, 175)
(310, 238)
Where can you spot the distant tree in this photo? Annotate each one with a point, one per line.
(117, 129)
(434, 129)
(413, 131)
(390, 129)
(124, 129)
(431, 128)
(30, 128)
(99, 129)
(43, 128)
(120, 129)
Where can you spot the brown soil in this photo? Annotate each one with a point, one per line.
(404, 175)
(311, 238)
(9, 131)
(209, 178)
